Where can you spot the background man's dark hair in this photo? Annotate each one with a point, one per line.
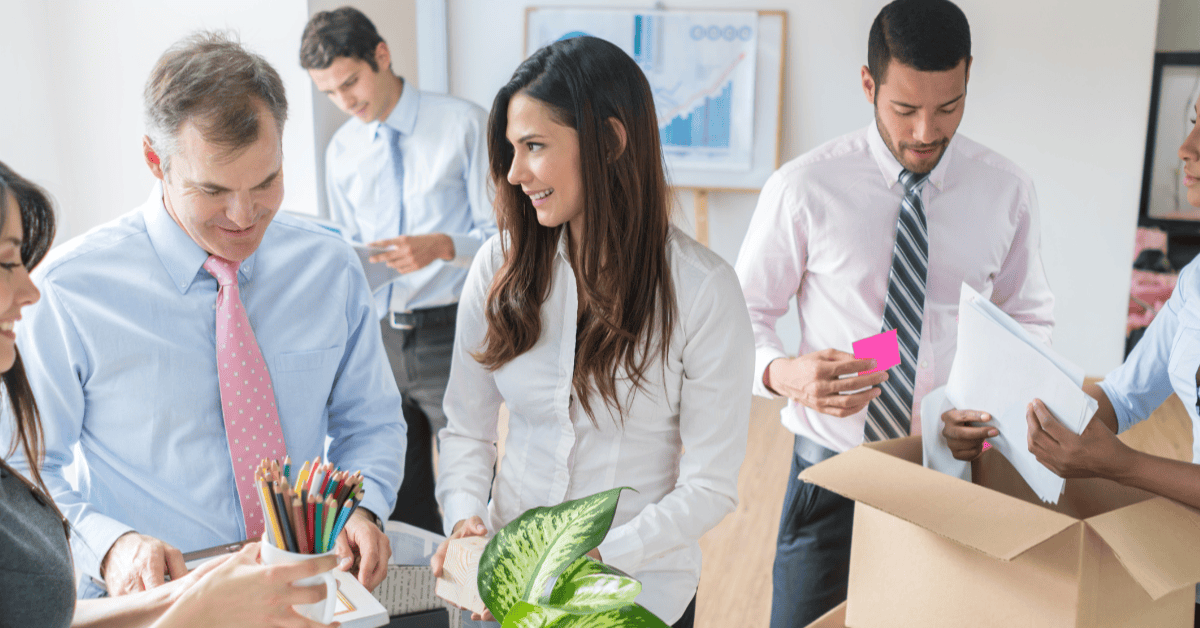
(342, 32)
(927, 35)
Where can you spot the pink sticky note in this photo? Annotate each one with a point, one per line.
(883, 348)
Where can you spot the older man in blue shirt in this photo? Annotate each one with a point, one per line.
(407, 173)
(122, 350)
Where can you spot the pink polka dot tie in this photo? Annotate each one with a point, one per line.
(247, 397)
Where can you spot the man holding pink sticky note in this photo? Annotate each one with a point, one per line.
(873, 233)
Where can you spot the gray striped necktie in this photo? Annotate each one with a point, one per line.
(889, 414)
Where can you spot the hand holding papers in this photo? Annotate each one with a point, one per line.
(999, 368)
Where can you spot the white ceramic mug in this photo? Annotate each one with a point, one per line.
(319, 611)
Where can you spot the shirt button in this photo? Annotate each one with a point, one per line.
(924, 364)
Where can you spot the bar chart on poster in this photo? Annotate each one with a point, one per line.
(715, 76)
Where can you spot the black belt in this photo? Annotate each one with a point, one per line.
(812, 453)
(425, 318)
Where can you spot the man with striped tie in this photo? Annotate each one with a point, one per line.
(870, 232)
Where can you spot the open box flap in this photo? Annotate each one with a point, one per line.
(883, 475)
(1157, 541)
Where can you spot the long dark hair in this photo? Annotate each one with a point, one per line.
(37, 234)
(628, 299)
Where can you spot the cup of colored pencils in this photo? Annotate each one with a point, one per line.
(305, 511)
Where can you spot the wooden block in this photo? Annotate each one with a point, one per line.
(459, 583)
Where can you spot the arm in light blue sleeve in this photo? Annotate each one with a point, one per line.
(56, 363)
(1143, 382)
(340, 209)
(483, 218)
(468, 442)
(366, 423)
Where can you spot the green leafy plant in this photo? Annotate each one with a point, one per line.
(535, 572)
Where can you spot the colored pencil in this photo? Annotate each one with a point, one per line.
(343, 516)
(281, 513)
(310, 508)
(319, 516)
(330, 513)
(301, 531)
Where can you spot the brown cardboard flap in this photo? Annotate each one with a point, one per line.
(1001, 526)
(1157, 541)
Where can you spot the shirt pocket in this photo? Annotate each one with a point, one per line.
(305, 360)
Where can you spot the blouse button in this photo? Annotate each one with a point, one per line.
(38, 496)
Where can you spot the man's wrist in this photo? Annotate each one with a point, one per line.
(373, 518)
(766, 377)
(448, 251)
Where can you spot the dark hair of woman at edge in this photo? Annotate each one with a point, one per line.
(627, 300)
(37, 225)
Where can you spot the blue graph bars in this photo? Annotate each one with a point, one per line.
(706, 125)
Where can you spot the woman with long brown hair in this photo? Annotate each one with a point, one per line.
(37, 586)
(621, 347)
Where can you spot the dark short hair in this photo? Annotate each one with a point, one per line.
(342, 32)
(37, 234)
(212, 80)
(927, 35)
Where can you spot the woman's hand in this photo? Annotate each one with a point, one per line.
(242, 592)
(467, 527)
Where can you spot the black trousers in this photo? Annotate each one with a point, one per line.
(688, 619)
(420, 360)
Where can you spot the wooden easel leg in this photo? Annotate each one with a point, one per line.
(700, 208)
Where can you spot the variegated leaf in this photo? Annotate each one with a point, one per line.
(526, 615)
(527, 554)
(590, 586)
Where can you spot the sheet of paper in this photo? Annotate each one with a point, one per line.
(936, 452)
(378, 275)
(883, 348)
(411, 545)
(999, 371)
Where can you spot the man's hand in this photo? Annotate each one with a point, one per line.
(1095, 452)
(137, 562)
(812, 381)
(466, 527)
(366, 546)
(965, 440)
(411, 253)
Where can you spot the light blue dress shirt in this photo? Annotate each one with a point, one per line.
(1164, 361)
(444, 145)
(121, 356)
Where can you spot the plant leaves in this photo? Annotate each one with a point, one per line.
(590, 586)
(526, 615)
(528, 553)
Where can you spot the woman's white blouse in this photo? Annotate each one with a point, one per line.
(681, 444)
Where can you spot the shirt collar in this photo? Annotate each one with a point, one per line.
(403, 117)
(182, 258)
(563, 250)
(890, 169)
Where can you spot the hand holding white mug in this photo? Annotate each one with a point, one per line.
(318, 611)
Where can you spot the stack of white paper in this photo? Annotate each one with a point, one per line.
(999, 368)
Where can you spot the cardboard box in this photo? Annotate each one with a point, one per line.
(835, 618)
(932, 550)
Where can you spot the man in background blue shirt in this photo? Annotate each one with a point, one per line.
(122, 355)
(406, 173)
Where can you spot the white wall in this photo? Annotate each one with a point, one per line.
(1062, 88)
(73, 72)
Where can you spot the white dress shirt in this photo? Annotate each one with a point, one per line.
(443, 143)
(824, 230)
(681, 445)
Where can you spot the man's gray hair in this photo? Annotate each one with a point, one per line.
(210, 79)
